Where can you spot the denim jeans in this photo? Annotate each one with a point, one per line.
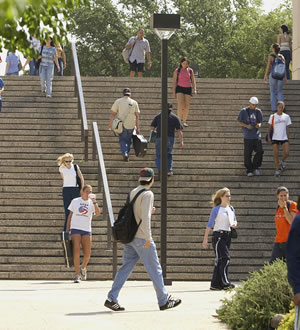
(46, 77)
(131, 254)
(287, 57)
(32, 69)
(69, 193)
(171, 140)
(125, 140)
(61, 67)
(278, 251)
(275, 91)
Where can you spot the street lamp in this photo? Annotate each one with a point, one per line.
(164, 25)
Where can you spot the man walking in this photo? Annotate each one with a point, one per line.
(250, 118)
(139, 47)
(142, 247)
(174, 124)
(127, 110)
(293, 262)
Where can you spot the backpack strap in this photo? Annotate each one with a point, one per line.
(135, 197)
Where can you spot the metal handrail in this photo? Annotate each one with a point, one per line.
(81, 104)
(107, 209)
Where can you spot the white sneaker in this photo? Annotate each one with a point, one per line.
(283, 166)
(250, 174)
(83, 274)
(77, 278)
(277, 174)
(257, 172)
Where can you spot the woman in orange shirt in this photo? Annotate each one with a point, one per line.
(285, 214)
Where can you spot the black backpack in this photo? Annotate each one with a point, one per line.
(125, 227)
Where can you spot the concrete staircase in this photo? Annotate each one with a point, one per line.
(36, 130)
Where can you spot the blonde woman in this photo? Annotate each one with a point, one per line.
(80, 224)
(222, 219)
(183, 86)
(71, 187)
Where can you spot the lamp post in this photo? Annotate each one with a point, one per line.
(164, 25)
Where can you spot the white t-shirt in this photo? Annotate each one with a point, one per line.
(225, 219)
(280, 124)
(69, 175)
(126, 109)
(82, 214)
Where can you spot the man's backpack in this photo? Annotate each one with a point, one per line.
(125, 227)
(278, 68)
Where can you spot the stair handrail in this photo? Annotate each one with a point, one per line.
(107, 209)
(81, 105)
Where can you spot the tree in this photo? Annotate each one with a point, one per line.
(224, 38)
(43, 17)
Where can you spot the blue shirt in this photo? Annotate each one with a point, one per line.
(13, 60)
(173, 123)
(1, 85)
(293, 255)
(253, 117)
(48, 56)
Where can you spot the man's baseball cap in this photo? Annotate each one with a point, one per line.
(126, 91)
(253, 100)
(146, 174)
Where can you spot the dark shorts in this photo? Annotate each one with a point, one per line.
(80, 232)
(281, 142)
(139, 66)
(183, 90)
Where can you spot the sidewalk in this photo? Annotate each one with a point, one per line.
(55, 305)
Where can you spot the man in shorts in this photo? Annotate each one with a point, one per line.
(139, 48)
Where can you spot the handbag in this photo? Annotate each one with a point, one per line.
(117, 126)
(152, 137)
(234, 233)
(78, 181)
(272, 129)
(126, 52)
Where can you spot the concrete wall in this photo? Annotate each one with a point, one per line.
(296, 40)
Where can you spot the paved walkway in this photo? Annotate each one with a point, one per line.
(55, 305)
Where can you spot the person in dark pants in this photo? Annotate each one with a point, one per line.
(293, 262)
(285, 214)
(222, 219)
(70, 186)
(250, 118)
(174, 124)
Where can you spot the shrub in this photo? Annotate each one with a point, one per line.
(265, 293)
(288, 322)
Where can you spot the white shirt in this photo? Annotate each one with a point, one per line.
(225, 219)
(280, 124)
(82, 214)
(69, 175)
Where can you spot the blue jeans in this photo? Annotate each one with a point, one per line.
(69, 193)
(46, 77)
(32, 69)
(171, 140)
(61, 66)
(131, 254)
(275, 91)
(287, 57)
(125, 140)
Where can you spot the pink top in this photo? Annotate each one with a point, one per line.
(184, 79)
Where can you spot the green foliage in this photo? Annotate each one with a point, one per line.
(222, 38)
(264, 294)
(42, 17)
(288, 322)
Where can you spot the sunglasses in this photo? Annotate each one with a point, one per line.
(68, 161)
